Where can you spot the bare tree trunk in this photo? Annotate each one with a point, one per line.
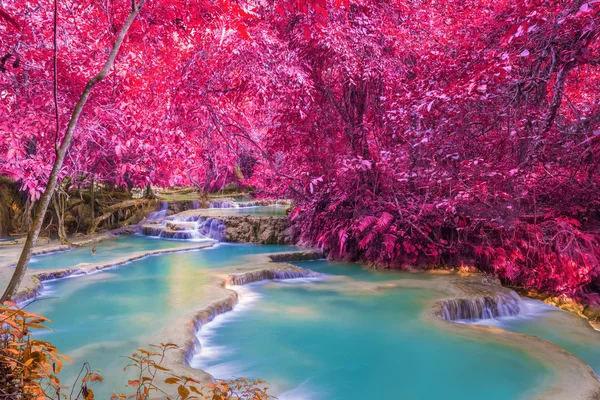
(59, 208)
(149, 193)
(26, 221)
(61, 152)
(93, 199)
(558, 94)
(91, 229)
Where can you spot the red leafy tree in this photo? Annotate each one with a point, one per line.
(409, 133)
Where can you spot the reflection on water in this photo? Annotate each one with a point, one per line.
(319, 340)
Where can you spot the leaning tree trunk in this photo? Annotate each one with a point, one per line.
(61, 152)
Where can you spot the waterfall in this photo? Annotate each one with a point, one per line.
(485, 307)
(212, 228)
(227, 203)
(270, 274)
(188, 228)
(160, 214)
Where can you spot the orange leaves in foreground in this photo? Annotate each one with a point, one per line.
(157, 380)
(28, 367)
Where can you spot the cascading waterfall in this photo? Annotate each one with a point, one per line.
(212, 228)
(485, 307)
(223, 204)
(270, 274)
(160, 214)
(191, 228)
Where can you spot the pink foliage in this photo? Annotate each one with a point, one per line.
(409, 133)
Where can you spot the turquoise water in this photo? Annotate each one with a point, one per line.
(556, 326)
(330, 340)
(336, 338)
(105, 251)
(100, 317)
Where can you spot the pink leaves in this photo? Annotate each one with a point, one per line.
(307, 34)
(588, 7)
(389, 244)
(366, 222)
(4, 15)
(384, 222)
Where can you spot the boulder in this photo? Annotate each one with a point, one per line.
(257, 229)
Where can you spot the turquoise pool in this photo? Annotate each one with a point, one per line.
(105, 251)
(317, 340)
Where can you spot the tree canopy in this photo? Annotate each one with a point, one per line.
(409, 133)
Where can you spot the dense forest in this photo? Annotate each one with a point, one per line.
(408, 133)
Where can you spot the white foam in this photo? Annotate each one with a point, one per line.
(210, 352)
(532, 309)
(228, 370)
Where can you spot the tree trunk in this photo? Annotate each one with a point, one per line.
(92, 227)
(559, 88)
(59, 208)
(149, 193)
(61, 152)
(26, 220)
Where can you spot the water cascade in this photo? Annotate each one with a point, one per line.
(486, 307)
(186, 228)
(160, 214)
(227, 203)
(296, 336)
(270, 274)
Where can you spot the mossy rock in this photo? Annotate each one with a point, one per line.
(592, 312)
